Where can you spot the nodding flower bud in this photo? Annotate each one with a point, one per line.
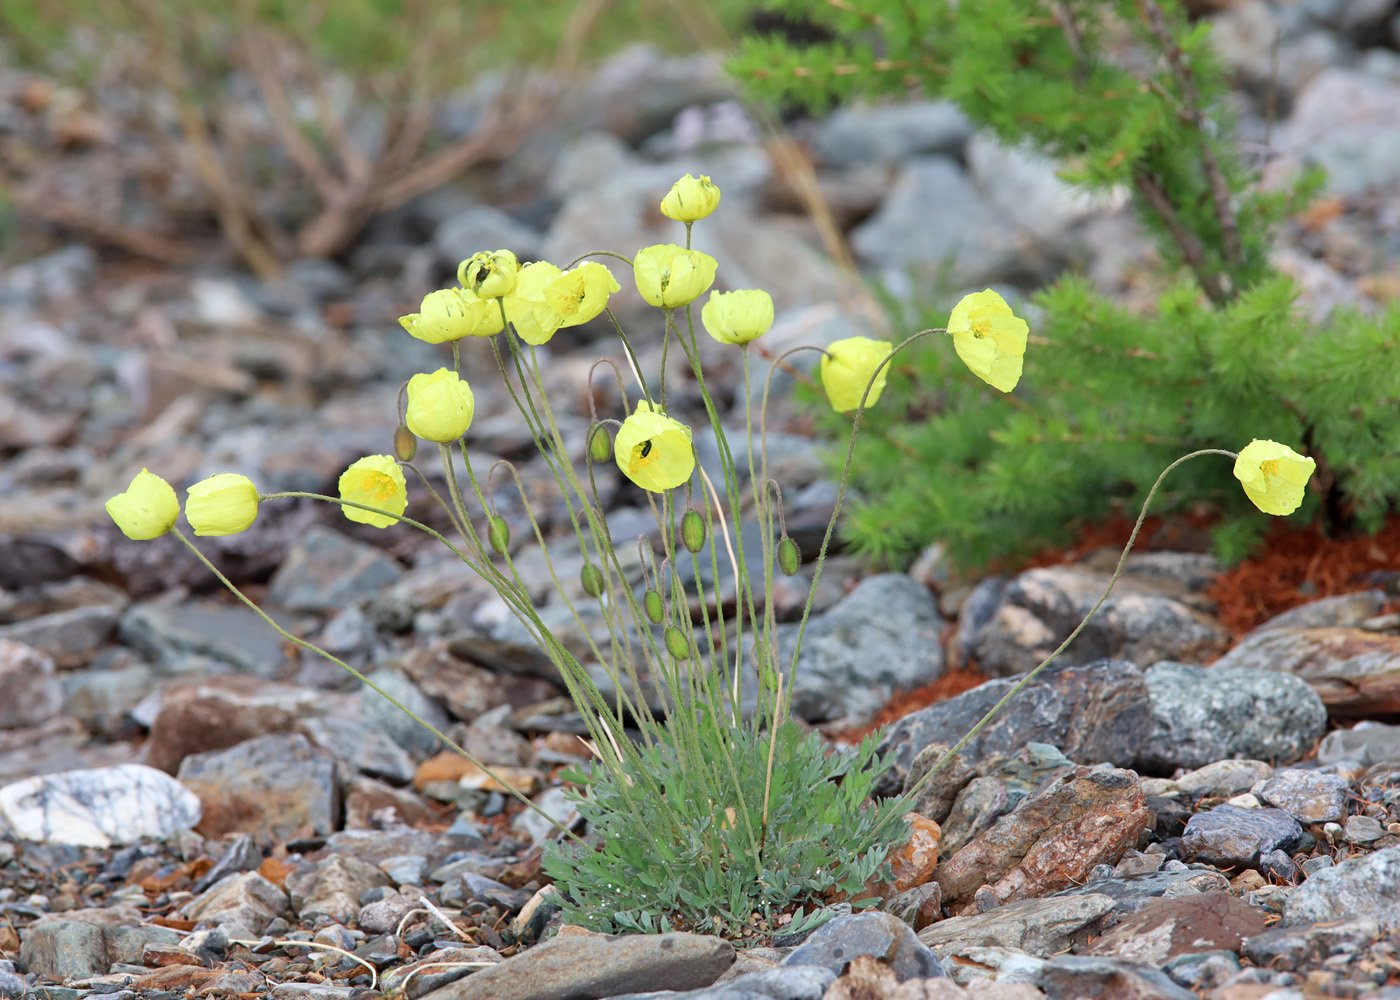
(693, 531)
(405, 443)
(676, 643)
(653, 606)
(591, 577)
(789, 556)
(498, 534)
(600, 444)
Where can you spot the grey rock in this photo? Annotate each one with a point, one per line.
(328, 570)
(987, 963)
(243, 905)
(1225, 778)
(1310, 797)
(241, 855)
(890, 134)
(1202, 715)
(1092, 713)
(75, 633)
(1371, 743)
(1288, 948)
(1363, 830)
(272, 787)
(401, 729)
(312, 991)
(1230, 835)
(333, 887)
(63, 948)
(883, 636)
(594, 966)
(12, 987)
(406, 869)
(482, 227)
(556, 803)
(881, 935)
(1342, 610)
(979, 804)
(1067, 977)
(1142, 621)
(102, 696)
(98, 807)
(53, 277)
(1026, 188)
(934, 219)
(1041, 927)
(1278, 867)
(362, 745)
(1348, 123)
(33, 693)
(1167, 928)
(1131, 893)
(185, 636)
(1202, 971)
(796, 982)
(935, 800)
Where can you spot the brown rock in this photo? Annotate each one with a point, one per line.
(1353, 671)
(32, 691)
(220, 712)
(451, 766)
(365, 797)
(1165, 928)
(914, 861)
(1080, 818)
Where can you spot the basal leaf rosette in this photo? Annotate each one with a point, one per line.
(737, 317)
(989, 338)
(670, 276)
(224, 504)
(690, 199)
(147, 509)
(846, 369)
(1273, 475)
(451, 314)
(653, 450)
(440, 406)
(376, 481)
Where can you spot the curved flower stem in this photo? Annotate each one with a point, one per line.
(295, 640)
(1113, 581)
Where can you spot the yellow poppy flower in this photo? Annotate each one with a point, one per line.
(670, 276)
(377, 481)
(690, 198)
(221, 505)
(147, 509)
(451, 314)
(738, 317)
(989, 338)
(527, 307)
(489, 275)
(846, 369)
(581, 293)
(440, 406)
(653, 450)
(1273, 475)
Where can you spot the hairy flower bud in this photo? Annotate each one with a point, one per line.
(693, 531)
(677, 644)
(653, 606)
(405, 444)
(789, 556)
(498, 534)
(591, 578)
(600, 444)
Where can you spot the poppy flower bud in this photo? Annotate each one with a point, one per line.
(591, 578)
(600, 444)
(693, 531)
(676, 643)
(653, 606)
(789, 556)
(498, 534)
(405, 444)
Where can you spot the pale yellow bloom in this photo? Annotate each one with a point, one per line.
(690, 198)
(489, 275)
(376, 481)
(989, 338)
(670, 276)
(738, 317)
(440, 406)
(1273, 475)
(451, 314)
(653, 450)
(147, 509)
(224, 504)
(847, 367)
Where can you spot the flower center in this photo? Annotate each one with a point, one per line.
(379, 487)
(981, 327)
(643, 455)
(1269, 467)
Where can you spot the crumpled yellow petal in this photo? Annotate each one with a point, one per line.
(147, 509)
(375, 480)
(653, 450)
(989, 338)
(1273, 475)
(440, 406)
(224, 504)
(846, 369)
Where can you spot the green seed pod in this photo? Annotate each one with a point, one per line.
(405, 444)
(651, 603)
(592, 579)
(693, 531)
(600, 444)
(789, 556)
(676, 643)
(498, 534)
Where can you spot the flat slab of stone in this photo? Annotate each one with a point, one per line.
(99, 807)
